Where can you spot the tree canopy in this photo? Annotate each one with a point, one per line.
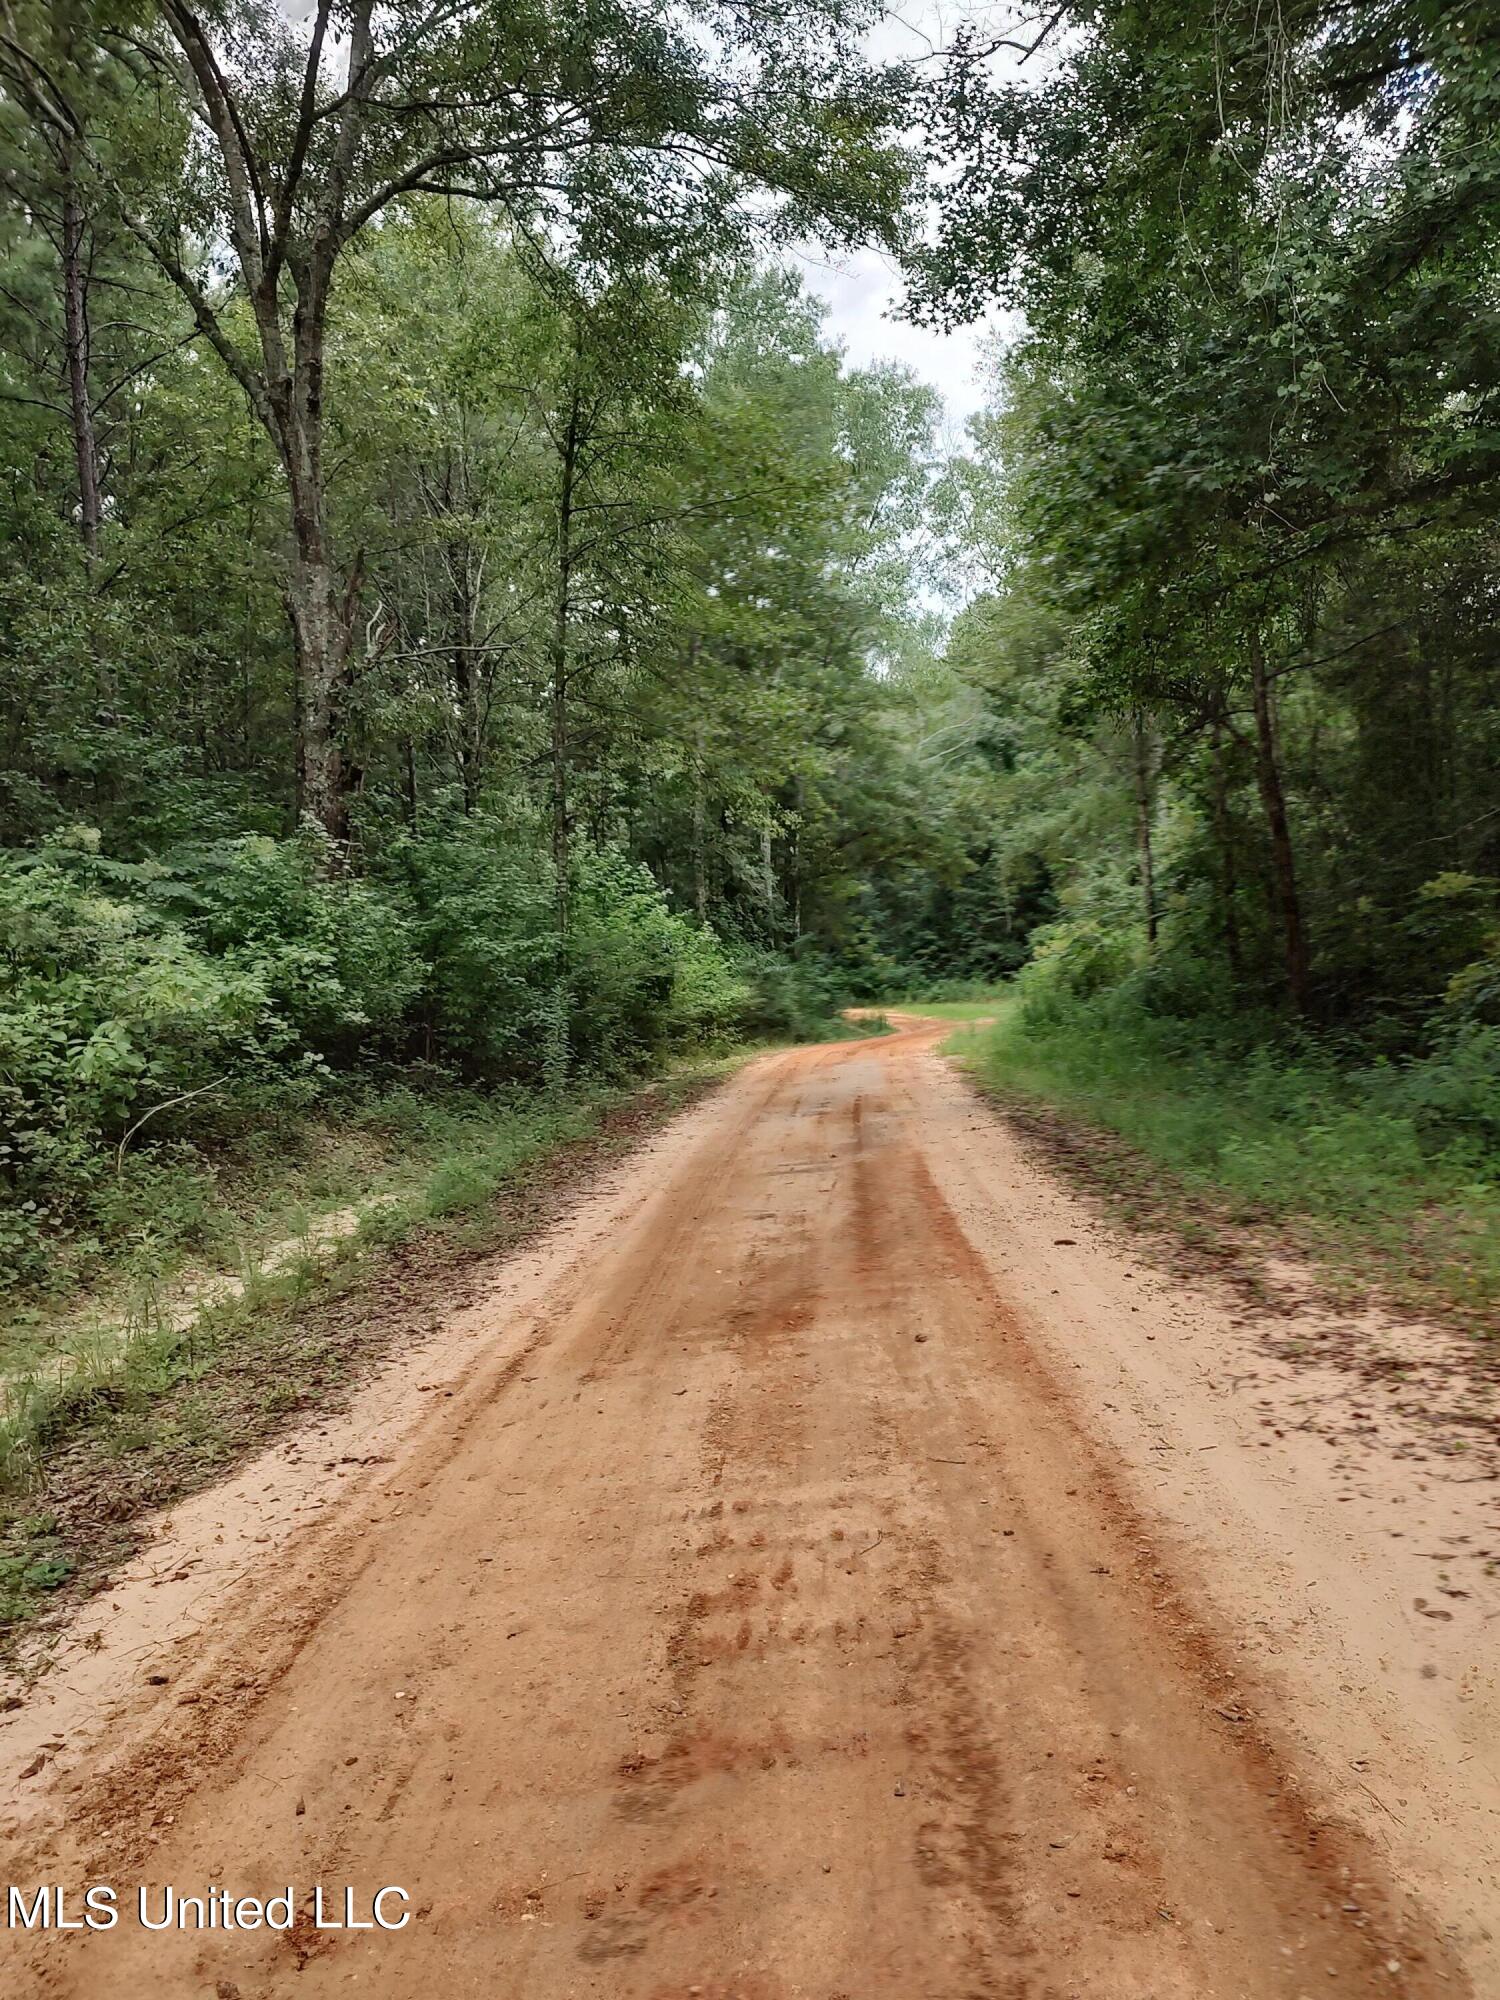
(459, 608)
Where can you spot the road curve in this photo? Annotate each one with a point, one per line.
(760, 1616)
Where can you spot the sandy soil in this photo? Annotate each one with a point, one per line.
(829, 1566)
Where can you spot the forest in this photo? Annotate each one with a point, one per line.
(470, 635)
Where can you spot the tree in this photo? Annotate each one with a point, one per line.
(619, 132)
(1254, 252)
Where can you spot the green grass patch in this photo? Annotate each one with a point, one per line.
(1386, 1174)
(983, 1009)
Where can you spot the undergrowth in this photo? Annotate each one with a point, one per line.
(1387, 1172)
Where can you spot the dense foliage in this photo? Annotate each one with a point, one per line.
(1236, 502)
(459, 612)
(444, 561)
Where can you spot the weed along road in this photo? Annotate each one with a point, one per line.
(826, 1565)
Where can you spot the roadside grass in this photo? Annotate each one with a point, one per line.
(1338, 1162)
(195, 1213)
(147, 1406)
(199, 1212)
(204, 1216)
(954, 1010)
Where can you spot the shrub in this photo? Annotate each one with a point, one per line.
(792, 999)
(107, 1008)
(709, 993)
(1453, 1094)
(485, 930)
(1474, 992)
(242, 974)
(640, 976)
(1075, 960)
(336, 958)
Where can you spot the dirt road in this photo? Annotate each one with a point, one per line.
(828, 1567)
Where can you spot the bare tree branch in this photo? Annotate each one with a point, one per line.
(247, 201)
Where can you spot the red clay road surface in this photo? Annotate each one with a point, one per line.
(808, 1574)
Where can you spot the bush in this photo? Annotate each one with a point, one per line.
(792, 999)
(1077, 959)
(1453, 1094)
(640, 977)
(1473, 993)
(241, 973)
(107, 1008)
(486, 932)
(709, 993)
(500, 998)
(336, 958)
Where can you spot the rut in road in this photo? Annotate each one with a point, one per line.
(765, 1627)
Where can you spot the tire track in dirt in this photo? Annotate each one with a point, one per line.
(767, 1626)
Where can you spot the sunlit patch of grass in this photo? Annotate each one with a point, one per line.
(952, 1010)
(971, 1001)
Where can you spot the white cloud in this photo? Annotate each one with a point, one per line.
(864, 289)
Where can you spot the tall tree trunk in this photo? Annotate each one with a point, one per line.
(76, 341)
(562, 616)
(468, 688)
(409, 773)
(318, 600)
(700, 848)
(1273, 800)
(463, 569)
(1141, 747)
(321, 595)
(799, 801)
(768, 883)
(1224, 838)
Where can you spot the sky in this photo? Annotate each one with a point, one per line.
(862, 291)
(863, 288)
